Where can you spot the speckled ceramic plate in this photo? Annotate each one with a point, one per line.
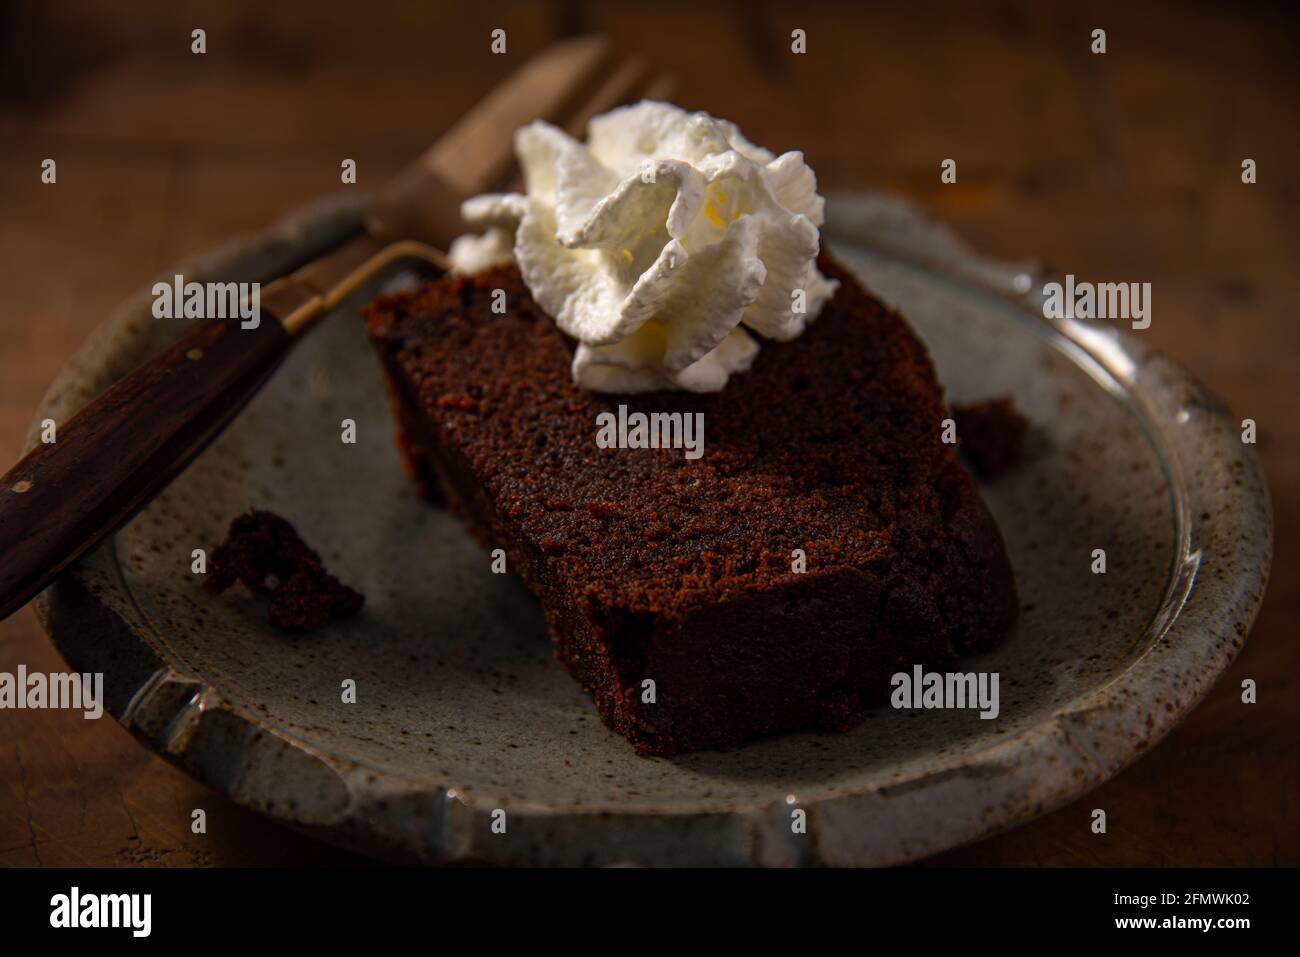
(462, 709)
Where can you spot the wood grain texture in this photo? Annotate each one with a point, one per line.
(1122, 167)
(123, 448)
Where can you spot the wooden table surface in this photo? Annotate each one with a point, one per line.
(1122, 166)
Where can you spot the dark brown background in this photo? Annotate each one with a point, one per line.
(1121, 167)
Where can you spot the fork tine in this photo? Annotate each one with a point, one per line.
(661, 87)
(629, 82)
(619, 87)
(475, 154)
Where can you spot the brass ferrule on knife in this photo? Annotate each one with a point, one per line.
(315, 289)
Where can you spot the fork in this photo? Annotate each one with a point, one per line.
(112, 458)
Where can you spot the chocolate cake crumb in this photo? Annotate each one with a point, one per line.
(266, 553)
(990, 434)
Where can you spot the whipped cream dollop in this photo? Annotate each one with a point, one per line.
(659, 245)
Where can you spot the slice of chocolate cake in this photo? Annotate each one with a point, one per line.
(824, 540)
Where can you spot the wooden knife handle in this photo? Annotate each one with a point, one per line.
(124, 447)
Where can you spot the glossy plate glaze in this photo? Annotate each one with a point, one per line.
(462, 710)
